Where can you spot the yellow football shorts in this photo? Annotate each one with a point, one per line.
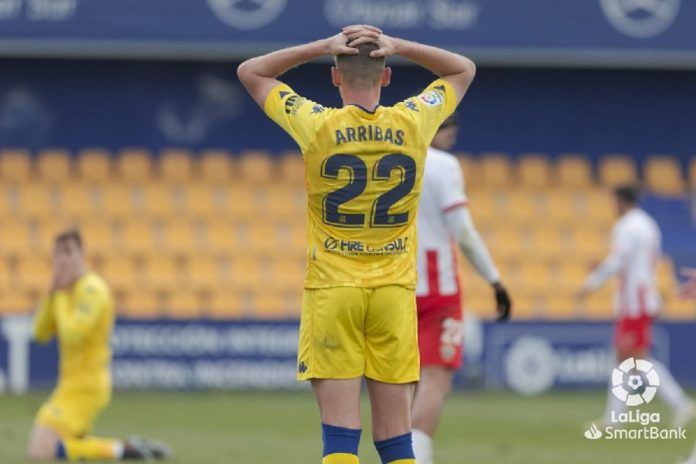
(348, 332)
(72, 412)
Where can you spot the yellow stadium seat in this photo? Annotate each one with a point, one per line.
(469, 166)
(34, 273)
(573, 171)
(159, 200)
(663, 175)
(256, 167)
(572, 275)
(495, 170)
(617, 169)
(162, 273)
(181, 238)
(182, 304)
(292, 168)
(262, 239)
(37, 200)
(94, 165)
(134, 165)
(54, 166)
(598, 207)
(98, 237)
(15, 166)
(273, 305)
(137, 238)
(222, 238)
(76, 200)
(285, 204)
(523, 207)
(17, 238)
(202, 200)
(561, 306)
(549, 244)
(508, 245)
(117, 200)
(175, 165)
(589, 245)
(528, 305)
(536, 277)
(122, 274)
(486, 209)
(534, 171)
(562, 208)
(248, 276)
(14, 301)
(600, 305)
(203, 274)
(692, 173)
(242, 203)
(287, 275)
(216, 166)
(680, 309)
(226, 305)
(666, 276)
(141, 304)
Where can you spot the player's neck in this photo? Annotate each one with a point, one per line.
(364, 98)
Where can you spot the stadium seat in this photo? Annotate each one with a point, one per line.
(283, 203)
(523, 207)
(663, 175)
(76, 200)
(682, 309)
(203, 274)
(598, 207)
(54, 166)
(98, 237)
(141, 304)
(216, 166)
(182, 304)
(37, 200)
(572, 275)
(573, 171)
(548, 244)
(162, 273)
(495, 170)
(533, 171)
(33, 273)
(588, 245)
(248, 276)
(274, 305)
(175, 165)
(159, 200)
(292, 168)
(202, 201)
(600, 305)
(692, 174)
(134, 165)
(469, 166)
(227, 305)
(137, 238)
(485, 208)
(221, 238)
(508, 245)
(181, 238)
(561, 306)
(242, 203)
(257, 168)
(535, 277)
(15, 302)
(617, 169)
(17, 238)
(287, 275)
(117, 200)
(121, 273)
(94, 166)
(15, 166)
(262, 239)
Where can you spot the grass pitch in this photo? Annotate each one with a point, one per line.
(256, 428)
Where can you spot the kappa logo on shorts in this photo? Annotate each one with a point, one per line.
(302, 367)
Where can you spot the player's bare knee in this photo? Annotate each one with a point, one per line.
(41, 451)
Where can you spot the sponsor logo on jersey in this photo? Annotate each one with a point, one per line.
(411, 105)
(317, 109)
(293, 104)
(432, 98)
(358, 248)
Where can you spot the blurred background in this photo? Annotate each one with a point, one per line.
(126, 119)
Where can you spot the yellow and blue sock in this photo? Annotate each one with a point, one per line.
(396, 450)
(89, 449)
(340, 444)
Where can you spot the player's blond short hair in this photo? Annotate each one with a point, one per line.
(361, 70)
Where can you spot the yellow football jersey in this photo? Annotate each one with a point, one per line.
(364, 174)
(82, 318)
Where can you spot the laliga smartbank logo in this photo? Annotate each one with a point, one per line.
(634, 382)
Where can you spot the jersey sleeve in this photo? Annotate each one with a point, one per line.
(432, 106)
(451, 190)
(77, 318)
(298, 116)
(44, 327)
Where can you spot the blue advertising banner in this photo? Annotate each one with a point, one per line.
(653, 33)
(529, 358)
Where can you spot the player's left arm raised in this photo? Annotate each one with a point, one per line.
(259, 75)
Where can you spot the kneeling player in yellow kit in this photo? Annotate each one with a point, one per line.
(79, 312)
(364, 165)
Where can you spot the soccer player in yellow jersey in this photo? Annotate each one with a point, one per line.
(79, 312)
(364, 165)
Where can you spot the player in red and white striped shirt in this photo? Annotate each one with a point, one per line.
(444, 223)
(635, 252)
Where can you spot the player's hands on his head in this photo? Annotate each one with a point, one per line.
(369, 34)
(340, 44)
(688, 288)
(503, 302)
